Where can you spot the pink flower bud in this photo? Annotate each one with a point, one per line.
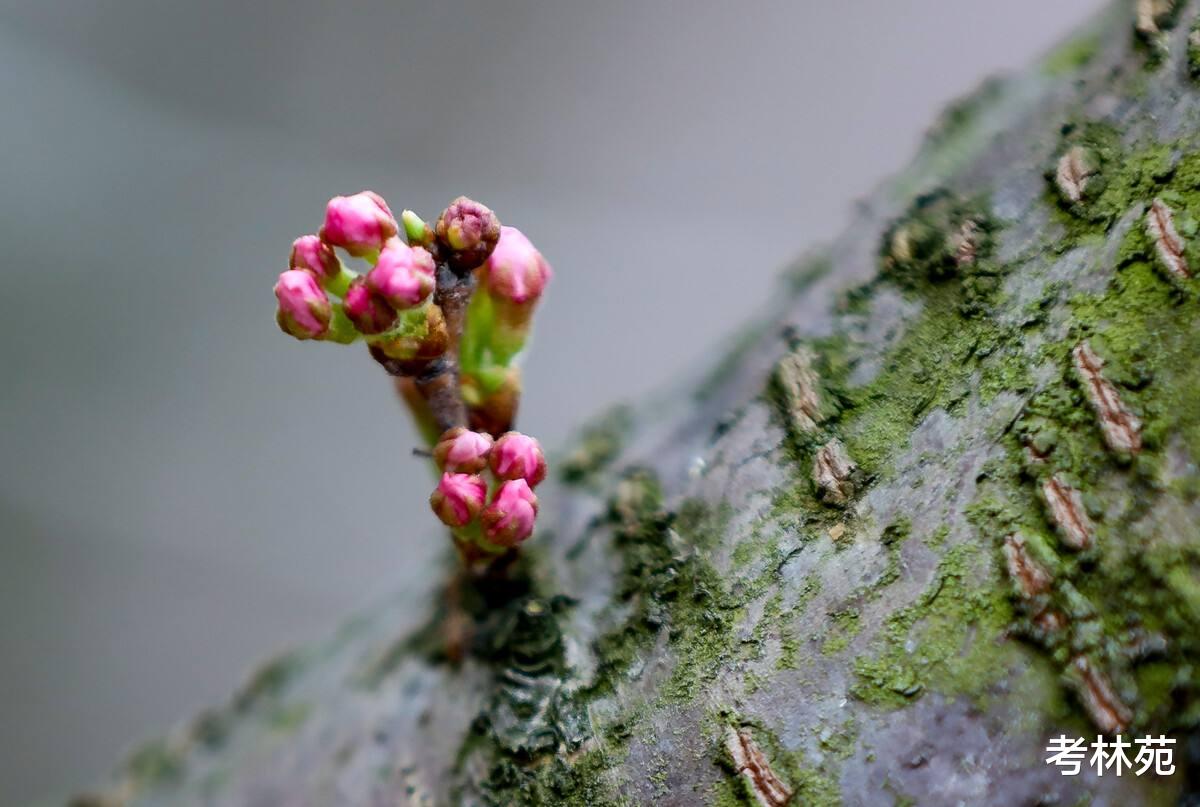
(369, 312)
(509, 519)
(403, 276)
(518, 456)
(516, 271)
(311, 253)
(360, 224)
(467, 231)
(304, 310)
(458, 499)
(462, 450)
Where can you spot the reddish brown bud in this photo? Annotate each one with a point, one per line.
(467, 232)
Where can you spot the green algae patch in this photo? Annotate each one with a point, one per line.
(948, 641)
(289, 718)
(269, 681)
(812, 786)
(666, 583)
(1118, 178)
(789, 643)
(941, 252)
(1149, 335)
(952, 638)
(807, 271)
(844, 626)
(155, 764)
(1129, 601)
(1193, 50)
(934, 365)
(580, 783)
(599, 444)
(1072, 56)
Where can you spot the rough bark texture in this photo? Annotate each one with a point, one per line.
(1002, 545)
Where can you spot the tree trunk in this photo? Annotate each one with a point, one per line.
(937, 506)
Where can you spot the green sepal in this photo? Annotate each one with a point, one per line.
(341, 329)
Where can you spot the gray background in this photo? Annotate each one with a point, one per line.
(184, 489)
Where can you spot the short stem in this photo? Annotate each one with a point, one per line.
(452, 296)
(338, 286)
(439, 382)
(436, 385)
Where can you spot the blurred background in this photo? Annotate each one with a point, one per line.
(183, 488)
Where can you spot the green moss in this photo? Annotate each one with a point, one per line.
(950, 639)
(814, 786)
(937, 539)
(598, 445)
(1123, 177)
(1185, 586)
(960, 118)
(940, 251)
(952, 630)
(581, 783)
(1193, 50)
(1073, 55)
(897, 532)
(288, 718)
(843, 626)
(789, 652)
(745, 553)
(730, 792)
(806, 272)
(817, 789)
(812, 789)
(1144, 327)
(933, 365)
(940, 236)
(155, 764)
(270, 680)
(841, 743)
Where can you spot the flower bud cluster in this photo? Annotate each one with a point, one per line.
(461, 500)
(389, 306)
(446, 308)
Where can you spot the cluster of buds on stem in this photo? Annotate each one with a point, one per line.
(487, 518)
(447, 310)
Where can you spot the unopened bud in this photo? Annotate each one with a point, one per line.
(458, 499)
(518, 456)
(463, 451)
(515, 271)
(309, 252)
(403, 275)
(416, 231)
(304, 309)
(509, 519)
(467, 232)
(369, 312)
(360, 224)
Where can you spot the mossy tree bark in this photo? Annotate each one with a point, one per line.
(939, 505)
